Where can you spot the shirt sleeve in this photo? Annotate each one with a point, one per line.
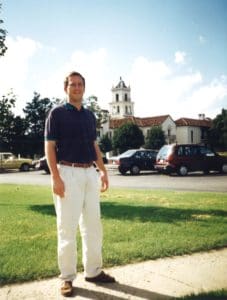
(51, 128)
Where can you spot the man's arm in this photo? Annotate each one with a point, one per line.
(58, 187)
(101, 166)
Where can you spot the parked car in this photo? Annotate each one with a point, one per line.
(9, 161)
(41, 164)
(136, 160)
(184, 158)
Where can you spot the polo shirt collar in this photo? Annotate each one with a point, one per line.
(69, 106)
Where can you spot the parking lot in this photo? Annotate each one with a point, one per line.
(213, 182)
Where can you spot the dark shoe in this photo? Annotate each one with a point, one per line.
(101, 278)
(67, 289)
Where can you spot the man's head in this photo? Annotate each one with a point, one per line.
(74, 86)
(73, 73)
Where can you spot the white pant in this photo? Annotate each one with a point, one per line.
(80, 205)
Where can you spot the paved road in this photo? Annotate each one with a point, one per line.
(194, 182)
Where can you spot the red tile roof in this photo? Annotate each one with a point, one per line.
(194, 122)
(141, 122)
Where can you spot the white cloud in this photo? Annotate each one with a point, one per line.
(14, 65)
(93, 66)
(180, 57)
(156, 87)
(158, 92)
(202, 39)
(206, 97)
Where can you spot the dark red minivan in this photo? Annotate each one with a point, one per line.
(184, 158)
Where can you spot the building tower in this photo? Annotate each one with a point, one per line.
(121, 105)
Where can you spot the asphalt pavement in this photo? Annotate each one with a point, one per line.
(213, 182)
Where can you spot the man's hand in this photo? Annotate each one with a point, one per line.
(104, 181)
(58, 186)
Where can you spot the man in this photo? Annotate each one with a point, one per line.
(71, 149)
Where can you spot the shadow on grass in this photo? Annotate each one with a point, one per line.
(44, 209)
(112, 210)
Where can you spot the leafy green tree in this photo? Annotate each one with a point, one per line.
(35, 116)
(105, 143)
(18, 136)
(12, 129)
(91, 103)
(7, 103)
(217, 136)
(155, 138)
(3, 32)
(128, 136)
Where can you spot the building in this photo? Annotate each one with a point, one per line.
(165, 122)
(182, 131)
(121, 105)
(193, 131)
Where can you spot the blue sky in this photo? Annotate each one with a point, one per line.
(171, 52)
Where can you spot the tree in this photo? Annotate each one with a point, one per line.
(3, 32)
(91, 103)
(35, 115)
(12, 129)
(105, 144)
(7, 103)
(18, 136)
(128, 136)
(217, 135)
(155, 138)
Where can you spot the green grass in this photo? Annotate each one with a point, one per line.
(138, 225)
(216, 295)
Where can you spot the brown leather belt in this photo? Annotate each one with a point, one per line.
(75, 165)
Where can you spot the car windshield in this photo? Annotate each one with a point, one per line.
(127, 153)
(164, 152)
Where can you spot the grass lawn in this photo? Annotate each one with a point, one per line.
(138, 225)
(216, 295)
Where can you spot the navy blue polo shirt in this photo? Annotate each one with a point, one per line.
(74, 132)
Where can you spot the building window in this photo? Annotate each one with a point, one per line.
(126, 109)
(192, 136)
(126, 97)
(118, 109)
(202, 134)
(117, 97)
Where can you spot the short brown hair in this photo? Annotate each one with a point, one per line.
(73, 73)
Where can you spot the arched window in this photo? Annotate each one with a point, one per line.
(117, 97)
(126, 97)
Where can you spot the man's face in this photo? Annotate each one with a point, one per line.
(75, 89)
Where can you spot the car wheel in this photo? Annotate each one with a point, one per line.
(182, 171)
(122, 170)
(25, 168)
(206, 171)
(224, 168)
(135, 170)
(47, 170)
